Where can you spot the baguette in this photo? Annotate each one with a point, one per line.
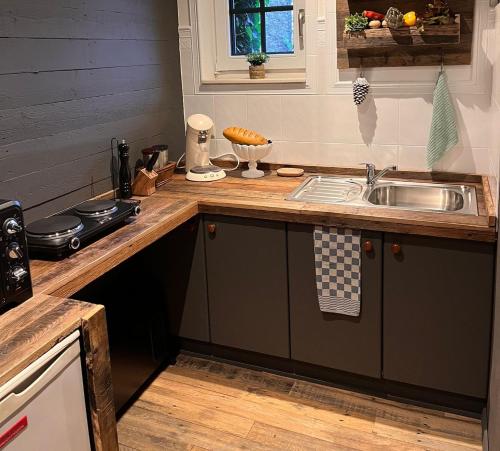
(240, 135)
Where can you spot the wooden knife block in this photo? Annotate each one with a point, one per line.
(144, 183)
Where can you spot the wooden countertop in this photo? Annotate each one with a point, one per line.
(265, 198)
(32, 328)
(180, 200)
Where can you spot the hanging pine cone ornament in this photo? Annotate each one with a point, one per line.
(360, 89)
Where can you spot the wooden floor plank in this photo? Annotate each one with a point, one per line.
(290, 441)
(131, 434)
(126, 448)
(237, 376)
(268, 401)
(332, 430)
(203, 405)
(173, 430)
(188, 411)
(404, 415)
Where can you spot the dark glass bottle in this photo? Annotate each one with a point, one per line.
(124, 174)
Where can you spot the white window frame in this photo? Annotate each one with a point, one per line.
(226, 62)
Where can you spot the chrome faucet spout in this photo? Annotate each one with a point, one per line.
(371, 177)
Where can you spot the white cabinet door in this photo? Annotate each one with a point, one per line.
(43, 408)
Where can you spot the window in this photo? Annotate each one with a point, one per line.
(272, 26)
(261, 26)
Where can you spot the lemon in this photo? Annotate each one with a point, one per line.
(410, 19)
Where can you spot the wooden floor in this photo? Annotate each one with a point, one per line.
(199, 405)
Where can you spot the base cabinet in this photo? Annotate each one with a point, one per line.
(135, 315)
(340, 342)
(183, 276)
(437, 313)
(247, 284)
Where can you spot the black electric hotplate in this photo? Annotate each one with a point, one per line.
(66, 232)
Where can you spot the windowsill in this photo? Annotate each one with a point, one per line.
(242, 77)
(247, 81)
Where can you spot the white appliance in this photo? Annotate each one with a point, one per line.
(198, 166)
(43, 407)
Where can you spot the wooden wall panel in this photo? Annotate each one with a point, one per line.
(33, 155)
(94, 19)
(74, 74)
(49, 119)
(27, 89)
(36, 55)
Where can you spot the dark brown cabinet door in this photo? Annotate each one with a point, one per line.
(437, 313)
(184, 276)
(330, 340)
(247, 284)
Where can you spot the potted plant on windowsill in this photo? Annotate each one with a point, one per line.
(257, 69)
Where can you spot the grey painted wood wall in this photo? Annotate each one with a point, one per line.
(74, 74)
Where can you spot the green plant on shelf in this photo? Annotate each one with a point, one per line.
(257, 59)
(355, 23)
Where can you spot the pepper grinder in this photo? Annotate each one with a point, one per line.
(124, 174)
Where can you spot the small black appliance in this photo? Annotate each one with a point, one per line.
(65, 232)
(15, 283)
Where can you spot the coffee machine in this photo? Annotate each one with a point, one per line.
(198, 166)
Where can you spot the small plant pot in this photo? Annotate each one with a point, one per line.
(257, 72)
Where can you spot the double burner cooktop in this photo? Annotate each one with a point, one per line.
(63, 233)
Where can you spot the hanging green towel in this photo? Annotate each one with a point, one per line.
(443, 135)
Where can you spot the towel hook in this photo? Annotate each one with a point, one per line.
(442, 59)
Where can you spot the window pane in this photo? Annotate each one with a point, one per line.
(246, 33)
(278, 2)
(243, 4)
(279, 32)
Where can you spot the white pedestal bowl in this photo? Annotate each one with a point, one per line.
(252, 154)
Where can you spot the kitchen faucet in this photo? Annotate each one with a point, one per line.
(371, 178)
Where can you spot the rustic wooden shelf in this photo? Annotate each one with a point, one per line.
(407, 46)
(408, 36)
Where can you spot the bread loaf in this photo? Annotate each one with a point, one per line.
(240, 135)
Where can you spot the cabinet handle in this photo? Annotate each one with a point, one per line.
(396, 249)
(368, 246)
(211, 228)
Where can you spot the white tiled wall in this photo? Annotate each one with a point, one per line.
(495, 111)
(316, 126)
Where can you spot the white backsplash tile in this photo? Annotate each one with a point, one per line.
(373, 122)
(312, 125)
(412, 158)
(415, 116)
(475, 160)
(473, 120)
(230, 110)
(264, 116)
(300, 118)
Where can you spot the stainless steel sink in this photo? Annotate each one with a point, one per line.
(328, 190)
(445, 198)
(424, 197)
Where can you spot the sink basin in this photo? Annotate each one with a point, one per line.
(424, 197)
(416, 196)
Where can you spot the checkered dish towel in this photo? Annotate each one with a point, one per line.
(337, 254)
